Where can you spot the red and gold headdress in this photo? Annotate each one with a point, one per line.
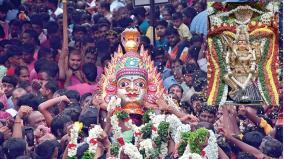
(131, 63)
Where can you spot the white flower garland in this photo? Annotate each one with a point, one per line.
(210, 10)
(175, 123)
(113, 103)
(147, 146)
(115, 127)
(164, 150)
(187, 154)
(94, 133)
(131, 151)
(266, 18)
(181, 129)
(211, 150)
(72, 146)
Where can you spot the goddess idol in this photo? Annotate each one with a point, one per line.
(243, 53)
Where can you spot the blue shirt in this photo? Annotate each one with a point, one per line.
(144, 26)
(163, 43)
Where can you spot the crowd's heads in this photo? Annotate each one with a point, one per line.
(48, 149)
(22, 73)
(161, 28)
(176, 91)
(14, 55)
(74, 60)
(59, 125)
(90, 72)
(173, 36)
(188, 14)
(35, 119)
(253, 138)
(9, 83)
(140, 14)
(49, 88)
(207, 113)
(177, 19)
(271, 147)
(14, 147)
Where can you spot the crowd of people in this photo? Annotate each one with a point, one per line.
(45, 88)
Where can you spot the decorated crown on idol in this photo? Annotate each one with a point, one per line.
(134, 61)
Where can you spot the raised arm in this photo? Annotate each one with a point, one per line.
(43, 107)
(18, 124)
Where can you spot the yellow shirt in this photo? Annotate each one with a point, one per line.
(184, 32)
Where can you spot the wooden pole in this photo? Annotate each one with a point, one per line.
(152, 7)
(65, 25)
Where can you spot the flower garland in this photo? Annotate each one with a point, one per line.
(94, 133)
(146, 146)
(73, 144)
(195, 140)
(187, 154)
(131, 151)
(212, 147)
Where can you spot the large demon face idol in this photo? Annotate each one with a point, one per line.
(131, 76)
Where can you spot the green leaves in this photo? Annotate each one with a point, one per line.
(121, 115)
(114, 149)
(146, 116)
(163, 130)
(196, 141)
(147, 131)
(88, 155)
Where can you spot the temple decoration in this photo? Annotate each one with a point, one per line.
(243, 53)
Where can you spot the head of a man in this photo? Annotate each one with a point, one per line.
(14, 147)
(9, 83)
(22, 73)
(196, 102)
(271, 147)
(74, 60)
(173, 36)
(48, 88)
(17, 93)
(35, 119)
(177, 91)
(161, 28)
(207, 114)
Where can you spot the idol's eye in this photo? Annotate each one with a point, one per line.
(141, 84)
(122, 84)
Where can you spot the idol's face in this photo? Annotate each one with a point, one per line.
(131, 89)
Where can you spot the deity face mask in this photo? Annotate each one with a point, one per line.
(131, 89)
(131, 76)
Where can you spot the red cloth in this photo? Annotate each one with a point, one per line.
(10, 71)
